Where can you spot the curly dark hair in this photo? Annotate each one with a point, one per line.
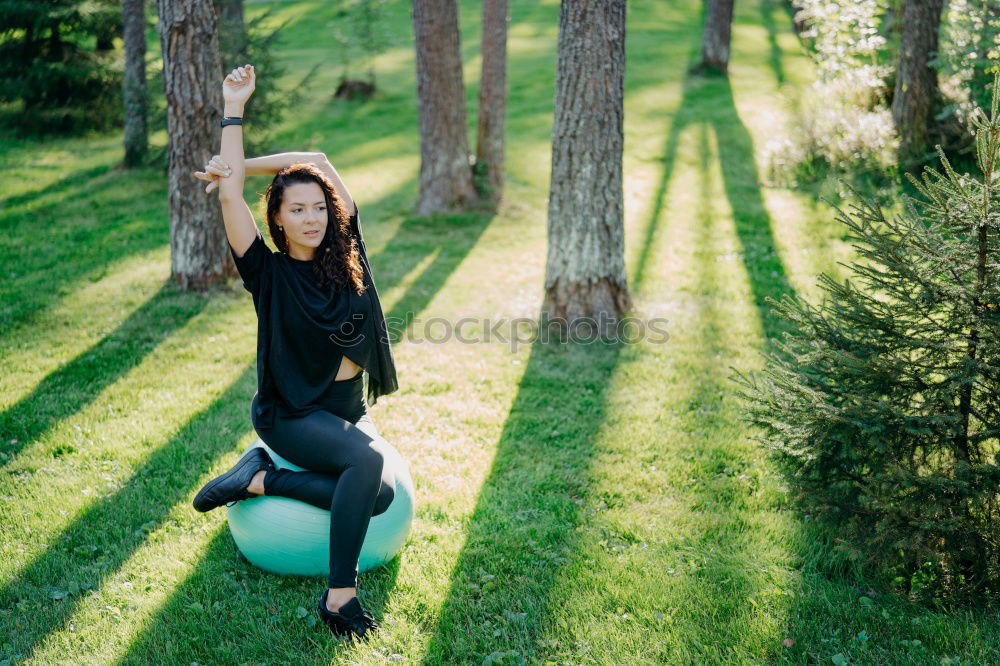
(338, 260)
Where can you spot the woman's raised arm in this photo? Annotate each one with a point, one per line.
(271, 164)
(217, 171)
(240, 226)
(324, 165)
(268, 165)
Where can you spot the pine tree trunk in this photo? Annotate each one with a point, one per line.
(232, 29)
(105, 41)
(231, 11)
(192, 81)
(585, 270)
(445, 172)
(492, 98)
(916, 81)
(715, 36)
(134, 90)
(799, 24)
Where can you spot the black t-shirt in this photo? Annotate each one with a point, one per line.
(303, 330)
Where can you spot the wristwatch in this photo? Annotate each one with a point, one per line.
(231, 120)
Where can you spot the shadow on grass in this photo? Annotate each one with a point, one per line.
(523, 527)
(65, 190)
(76, 384)
(753, 223)
(770, 13)
(246, 614)
(453, 237)
(53, 246)
(100, 540)
(708, 99)
(727, 607)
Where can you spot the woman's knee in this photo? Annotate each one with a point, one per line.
(385, 496)
(372, 461)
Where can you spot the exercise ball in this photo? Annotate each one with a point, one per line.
(287, 536)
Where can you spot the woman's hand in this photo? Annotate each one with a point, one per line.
(239, 85)
(214, 170)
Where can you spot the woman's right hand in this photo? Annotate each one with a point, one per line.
(214, 170)
(239, 85)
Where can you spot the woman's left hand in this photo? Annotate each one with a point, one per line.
(214, 170)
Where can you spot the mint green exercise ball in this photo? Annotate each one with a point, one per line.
(287, 536)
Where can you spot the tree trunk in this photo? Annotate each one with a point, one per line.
(192, 82)
(585, 270)
(134, 89)
(799, 24)
(916, 81)
(232, 29)
(231, 11)
(492, 100)
(106, 28)
(445, 172)
(715, 36)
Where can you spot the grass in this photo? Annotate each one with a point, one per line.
(584, 504)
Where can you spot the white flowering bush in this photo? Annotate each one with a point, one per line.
(843, 122)
(968, 53)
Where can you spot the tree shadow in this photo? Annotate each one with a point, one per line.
(72, 185)
(729, 517)
(522, 530)
(449, 238)
(51, 246)
(226, 585)
(753, 223)
(767, 19)
(76, 384)
(708, 99)
(106, 534)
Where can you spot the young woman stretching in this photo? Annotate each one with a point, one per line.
(320, 324)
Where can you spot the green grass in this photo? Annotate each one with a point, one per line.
(574, 505)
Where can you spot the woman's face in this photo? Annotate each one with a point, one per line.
(303, 216)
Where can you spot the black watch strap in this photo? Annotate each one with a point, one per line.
(231, 120)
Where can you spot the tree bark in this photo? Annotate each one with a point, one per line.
(585, 270)
(192, 81)
(107, 27)
(445, 172)
(799, 24)
(232, 28)
(231, 11)
(134, 89)
(492, 100)
(916, 81)
(715, 36)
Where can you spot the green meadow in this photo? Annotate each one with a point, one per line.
(576, 504)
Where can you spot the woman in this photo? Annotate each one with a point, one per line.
(320, 324)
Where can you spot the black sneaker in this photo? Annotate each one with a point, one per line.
(352, 619)
(231, 487)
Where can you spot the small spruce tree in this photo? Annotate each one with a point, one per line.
(882, 405)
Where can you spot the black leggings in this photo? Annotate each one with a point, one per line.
(344, 455)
